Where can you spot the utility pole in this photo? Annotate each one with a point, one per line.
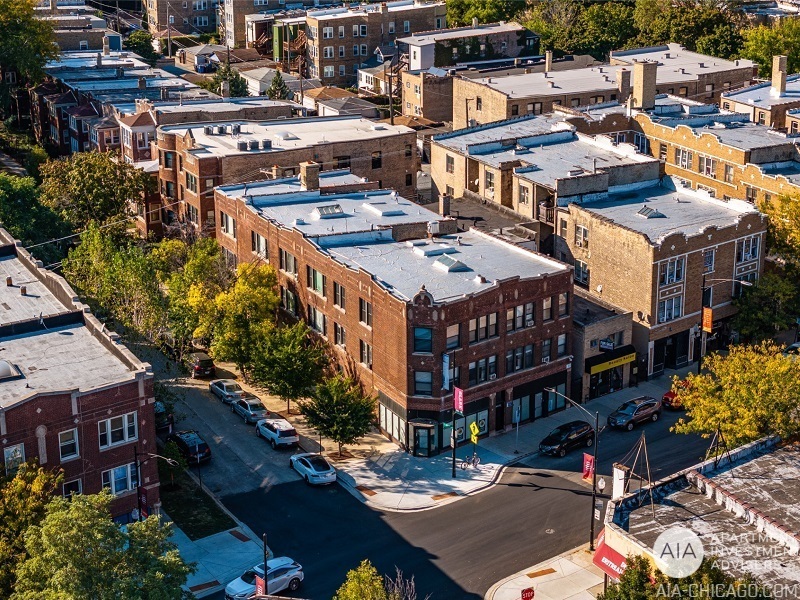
(116, 14)
(169, 35)
(391, 94)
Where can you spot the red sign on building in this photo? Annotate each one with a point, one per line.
(458, 399)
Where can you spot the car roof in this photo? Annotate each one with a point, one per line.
(573, 425)
(281, 561)
(641, 399)
(282, 424)
(190, 436)
(200, 355)
(225, 381)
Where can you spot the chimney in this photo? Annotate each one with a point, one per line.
(474, 22)
(53, 6)
(778, 76)
(309, 175)
(624, 84)
(142, 83)
(99, 61)
(106, 46)
(119, 73)
(225, 89)
(548, 60)
(277, 172)
(444, 205)
(383, 8)
(644, 85)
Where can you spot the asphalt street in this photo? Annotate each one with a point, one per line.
(538, 509)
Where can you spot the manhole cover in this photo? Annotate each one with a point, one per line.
(549, 531)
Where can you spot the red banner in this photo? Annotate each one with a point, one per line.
(261, 589)
(708, 319)
(588, 466)
(458, 399)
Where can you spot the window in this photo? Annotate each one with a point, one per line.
(227, 224)
(122, 479)
(117, 430)
(423, 383)
(519, 317)
(483, 370)
(547, 309)
(671, 271)
(561, 345)
(524, 194)
(489, 181)
(68, 444)
(327, 52)
(747, 249)
(482, 328)
(191, 212)
(258, 244)
(329, 71)
(738, 289)
(728, 173)
(191, 183)
(338, 295)
(439, 22)
(355, 30)
(377, 159)
(339, 337)
(391, 26)
(514, 110)
(449, 163)
(453, 336)
(365, 312)
(546, 350)
(762, 117)
(707, 166)
(200, 21)
(288, 263)
(365, 353)
(406, 26)
(200, 5)
(479, 103)
(315, 281)
(670, 309)
(363, 30)
(364, 50)
(519, 358)
(563, 304)
(327, 33)
(423, 339)
(454, 373)
(14, 456)
(342, 162)
(683, 158)
(750, 194)
(289, 301)
(341, 31)
(662, 152)
(70, 488)
(341, 53)
(317, 320)
(575, 102)
(708, 261)
(581, 236)
(683, 91)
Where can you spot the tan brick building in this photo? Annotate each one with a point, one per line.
(194, 158)
(340, 40)
(408, 305)
(767, 103)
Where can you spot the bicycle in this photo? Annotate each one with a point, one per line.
(473, 460)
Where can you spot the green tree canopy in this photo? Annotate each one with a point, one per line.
(555, 21)
(769, 306)
(784, 227)
(237, 86)
(23, 501)
(461, 12)
(604, 27)
(362, 583)
(288, 362)
(141, 42)
(340, 410)
(92, 186)
(78, 552)
(278, 90)
(752, 392)
(765, 41)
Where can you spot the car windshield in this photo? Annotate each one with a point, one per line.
(561, 432)
(628, 408)
(318, 463)
(287, 433)
(205, 362)
(233, 387)
(256, 406)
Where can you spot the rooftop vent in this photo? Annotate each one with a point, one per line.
(235, 129)
(450, 264)
(650, 213)
(330, 211)
(433, 249)
(383, 209)
(266, 144)
(8, 371)
(208, 130)
(285, 135)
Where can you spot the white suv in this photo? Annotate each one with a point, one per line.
(278, 432)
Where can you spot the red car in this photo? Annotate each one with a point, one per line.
(670, 399)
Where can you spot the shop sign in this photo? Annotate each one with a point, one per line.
(606, 345)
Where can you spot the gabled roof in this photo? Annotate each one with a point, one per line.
(65, 98)
(142, 119)
(329, 93)
(86, 110)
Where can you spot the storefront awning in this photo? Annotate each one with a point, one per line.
(608, 560)
(606, 360)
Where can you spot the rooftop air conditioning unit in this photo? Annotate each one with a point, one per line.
(220, 129)
(433, 227)
(236, 129)
(208, 130)
(242, 145)
(266, 144)
(253, 144)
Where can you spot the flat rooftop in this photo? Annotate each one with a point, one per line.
(363, 9)
(431, 37)
(495, 133)
(762, 95)
(263, 191)
(788, 169)
(39, 300)
(586, 311)
(449, 267)
(83, 59)
(659, 211)
(221, 105)
(155, 81)
(768, 482)
(674, 57)
(62, 358)
(285, 134)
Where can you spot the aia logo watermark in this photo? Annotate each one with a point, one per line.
(678, 552)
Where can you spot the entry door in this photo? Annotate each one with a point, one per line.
(421, 441)
(500, 413)
(537, 405)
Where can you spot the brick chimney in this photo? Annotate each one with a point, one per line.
(53, 6)
(644, 85)
(778, 76)
(309, 175)
(142, 84)
(444, 205)
(548, 61)
(623, 84)
(106, 45)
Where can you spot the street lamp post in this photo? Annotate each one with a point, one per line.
(703, 333)
(138, 463)
(594, 465)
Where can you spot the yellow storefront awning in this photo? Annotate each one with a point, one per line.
(609, 360)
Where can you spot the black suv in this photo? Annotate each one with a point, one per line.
(193, 448)
(575, 434)
(200, 365)
(633, 412)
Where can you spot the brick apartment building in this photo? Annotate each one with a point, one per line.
(767, 103)
(72, 396)
(670, 69)
(409, 305)
(194, 158)
(183, 16)
(340, 40)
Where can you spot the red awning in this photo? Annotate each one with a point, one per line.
(608, 560)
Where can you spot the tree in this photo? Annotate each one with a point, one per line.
(178, 464)
(237, 86)
(400, 588)
(603, 28)
(278, 90)
(752, 392)
(461, 12)
(340, 410)
(765, 41)
(769, 306)
(555, 21)
(242, 314)
(138, 563)
(92, 186)
(141, 42)
(23, 501)
(724, 41)
(288, 362)
(28, 43)
(362, 583)
(784, 227)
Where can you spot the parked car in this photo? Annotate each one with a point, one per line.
(193, 448)
(200, 365)
(671, 400)
(575, 434)
(313, 468)
(278, 432)
(792, 350)
(161, 416)
(249, 407)
(282, 574)
(226, 390)
(634, 412)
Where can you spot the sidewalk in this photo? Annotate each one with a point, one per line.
(10, 166)
(570, 576)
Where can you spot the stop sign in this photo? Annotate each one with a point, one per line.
(527, 594)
